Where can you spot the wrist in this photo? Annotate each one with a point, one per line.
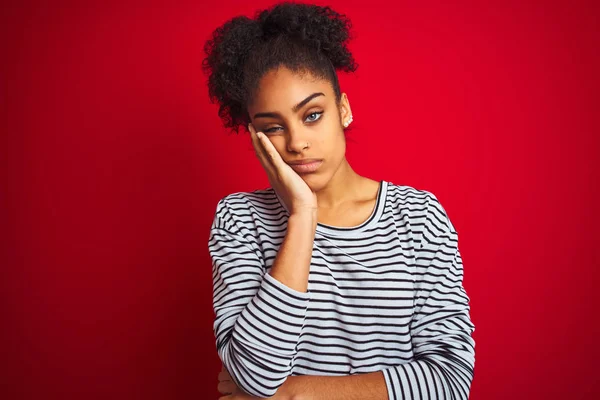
(303, 222)
(304, 215)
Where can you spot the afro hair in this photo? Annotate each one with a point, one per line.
(301, 37)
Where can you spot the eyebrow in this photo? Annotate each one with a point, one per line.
(294, 109)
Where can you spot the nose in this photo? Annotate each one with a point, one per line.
(297, 139)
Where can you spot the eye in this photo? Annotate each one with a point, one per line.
(312, 117)
(317, 114)
(271, 130)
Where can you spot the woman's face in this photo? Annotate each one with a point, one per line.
(299, 115)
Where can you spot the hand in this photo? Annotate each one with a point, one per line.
(228, 387)
(238, 394)
(295, 193)
(226, 384)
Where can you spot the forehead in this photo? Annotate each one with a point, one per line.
(280, 89)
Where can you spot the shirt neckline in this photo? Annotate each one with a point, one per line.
(330, 230)
(373, 219)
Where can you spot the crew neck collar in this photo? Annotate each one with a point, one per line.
(353, 231)
(330, 230)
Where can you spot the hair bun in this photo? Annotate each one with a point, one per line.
(319, 26)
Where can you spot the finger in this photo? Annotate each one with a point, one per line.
(256, 144)
(226, 387)
(224, 375)
(270, 151)
(259, 149)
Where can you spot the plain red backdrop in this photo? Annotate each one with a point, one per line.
(115, 160)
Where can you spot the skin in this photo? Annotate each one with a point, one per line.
(334, 195)
(341, 196)
(368, 386)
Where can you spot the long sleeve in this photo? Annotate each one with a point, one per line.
(257, 318)
(441, 328)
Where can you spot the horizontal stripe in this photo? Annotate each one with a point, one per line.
(385, 295)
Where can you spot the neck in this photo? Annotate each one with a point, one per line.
(343, 186)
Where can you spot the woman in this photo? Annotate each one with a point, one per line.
(327, 285)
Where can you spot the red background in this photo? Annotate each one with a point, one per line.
(115, 160)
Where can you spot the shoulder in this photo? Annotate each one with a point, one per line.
(235, 202)
(406, 194)
(235, 210)
(422, 208)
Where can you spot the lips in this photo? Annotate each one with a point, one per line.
(306, 166)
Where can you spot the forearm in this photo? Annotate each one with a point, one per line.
(257, 346)
(367, 386)
(292, 264)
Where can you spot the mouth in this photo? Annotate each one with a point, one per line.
(306, 167)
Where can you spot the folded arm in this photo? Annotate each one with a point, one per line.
(441, 331)
(258, 318)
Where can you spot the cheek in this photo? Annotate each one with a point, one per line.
(331, 137)
(335, 147)
(279, 143)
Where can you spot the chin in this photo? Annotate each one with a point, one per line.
(315, 182)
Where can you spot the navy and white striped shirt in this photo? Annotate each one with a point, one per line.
(386, 295)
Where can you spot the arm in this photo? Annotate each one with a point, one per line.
(258, 317)
(444, 351)
(368, 386)
(441, 328)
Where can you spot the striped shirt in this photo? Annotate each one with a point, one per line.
(385, 295)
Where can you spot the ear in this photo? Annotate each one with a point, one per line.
(345, 111)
